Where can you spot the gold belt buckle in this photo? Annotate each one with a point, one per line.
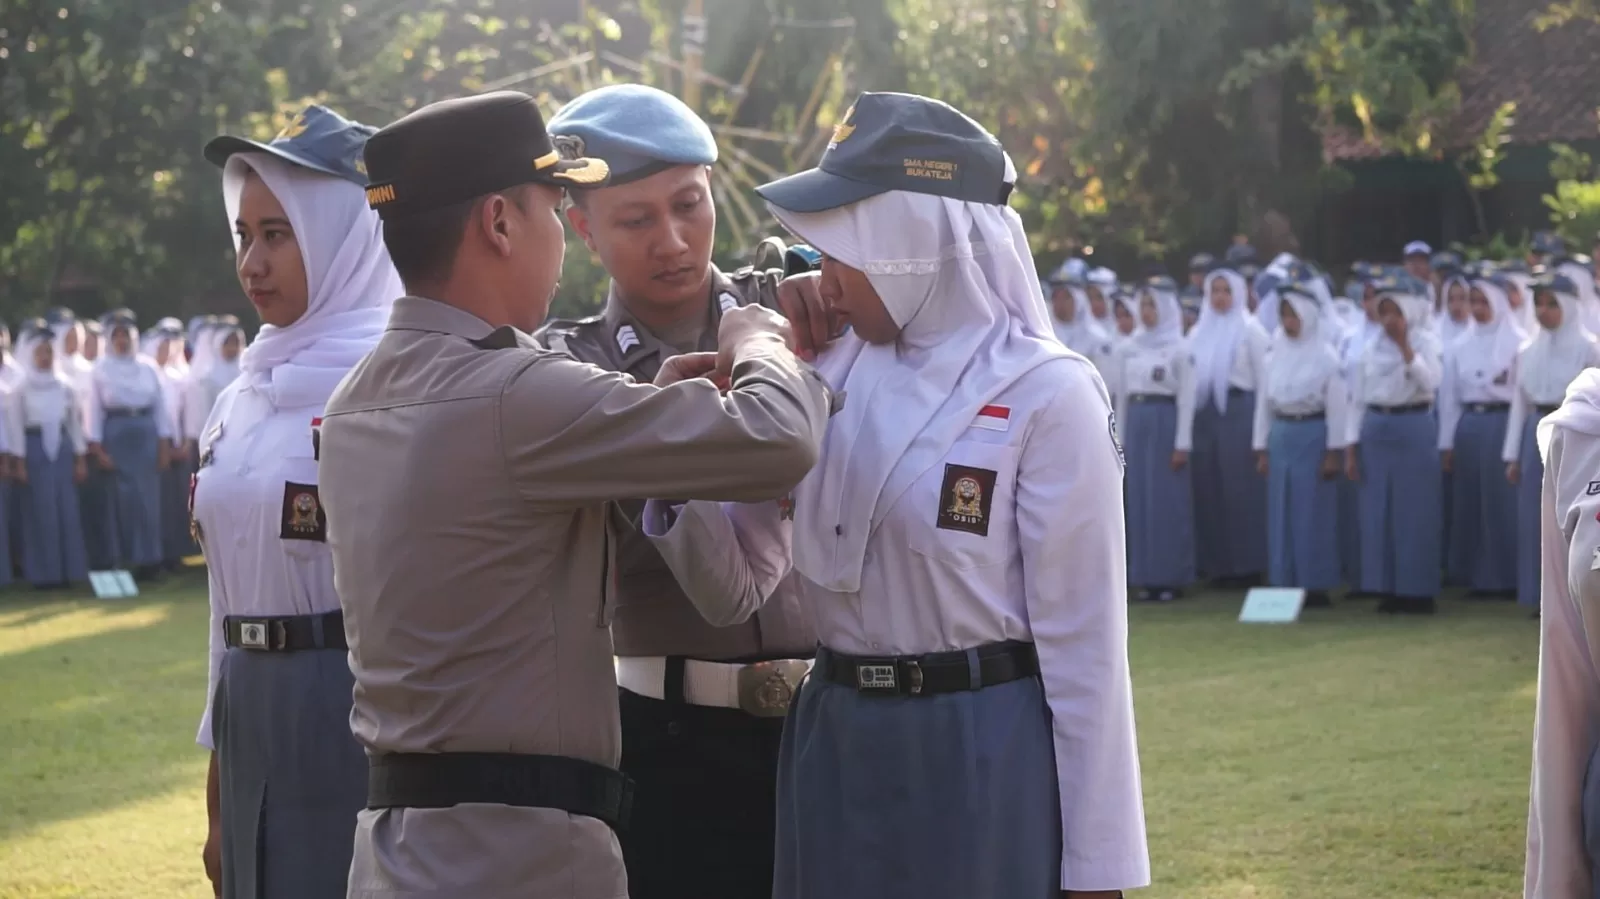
(765, 688)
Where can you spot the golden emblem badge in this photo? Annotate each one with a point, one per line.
(294, 129)
(304, 512)
(966, 499)
(843, 130)
(767, 688)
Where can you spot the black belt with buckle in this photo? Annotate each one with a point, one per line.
(285, 633)
(1407, 409)
(443, 780)
(1309, 416)
(925, 675)
(1481, 408)
(126, 412)
(32, 430)
(1151, 398)
(1546, 410)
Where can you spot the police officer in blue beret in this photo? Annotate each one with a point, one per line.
(702, 707)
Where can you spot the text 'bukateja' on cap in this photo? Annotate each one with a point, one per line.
(889, 141)
(458, 150)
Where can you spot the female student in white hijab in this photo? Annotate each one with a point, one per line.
(1155, 404)
(94, 495)
(218, 347)
(964, 568)
(44, 419)
(1453, 318)
(130, 431)
(1299, 436)
(1229, 347)
(1546, 365)
(164, 345)
(1474, 408)
(1563, 856)
(282, 801)
(1074, 325)
(1359, 332)
(1393, 452)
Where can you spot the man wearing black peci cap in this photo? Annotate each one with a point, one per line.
(469, 478)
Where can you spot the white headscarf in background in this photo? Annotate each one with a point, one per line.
(350, 282)
(1215, 338)
(1451, 330)
(1082, 334)
(1298, 368)
(1105, 280)
(1489, 348)
(1549, 362)
(1169, 319)
(126, 380)
(46, 392)
(221, 372)
(959, 280)
(1417, 310)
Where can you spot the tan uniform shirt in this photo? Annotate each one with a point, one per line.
(654, 618)
(469, 493)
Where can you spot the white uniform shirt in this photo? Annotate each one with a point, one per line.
(27, 407)
(1333, 401)
(254, 461)
(1383, 380)
(145, 392)
(1467, 381)
(1166, 371)
(1523, 400)
(1052, 571)
(174, 383)
(1569, 684)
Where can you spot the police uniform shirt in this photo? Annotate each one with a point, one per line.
(1160, 371)
(469, 477)
(1383, 379)
(1036, 554)
(1568, 684)
(258, 513)
(653, 616)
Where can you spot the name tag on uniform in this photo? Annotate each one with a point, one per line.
(993, 418)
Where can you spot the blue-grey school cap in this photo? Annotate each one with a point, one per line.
(318, 139)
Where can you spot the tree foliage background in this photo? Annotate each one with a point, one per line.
(1141, 129)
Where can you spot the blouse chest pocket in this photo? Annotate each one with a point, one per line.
(965, 506)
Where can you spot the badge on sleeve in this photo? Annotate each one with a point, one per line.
(965, 499)
(316, 439)
(1111, 426)
(303, 518)
(1593, 489)
(195, 533)
(786, 508)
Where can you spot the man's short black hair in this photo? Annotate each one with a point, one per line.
(423, 247)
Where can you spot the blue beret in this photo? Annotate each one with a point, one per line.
(318, 139)
(637, 130)
(1546, 243)
(1202, 263)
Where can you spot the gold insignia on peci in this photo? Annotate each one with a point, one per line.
(843, 130)
(294, 129)
(361, 165)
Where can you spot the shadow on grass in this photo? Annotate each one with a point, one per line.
(93, 722)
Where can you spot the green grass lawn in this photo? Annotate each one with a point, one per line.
(1352, 755)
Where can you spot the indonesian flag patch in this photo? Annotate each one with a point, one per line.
(993, 418)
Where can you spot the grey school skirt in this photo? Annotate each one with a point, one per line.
(936, 797)
(291, 777)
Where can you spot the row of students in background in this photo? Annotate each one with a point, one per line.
(97, 442)
(1369, 439)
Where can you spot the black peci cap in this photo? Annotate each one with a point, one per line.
(458, 150)
(898, 142)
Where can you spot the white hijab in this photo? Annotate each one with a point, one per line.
(219, 371)
(1489, 348)
(959, 280)
(1588, 297)
(46, 393)
(350, 281)
(1169, 319)
(126, 380)
(1451, 330)
(1083, 333)
(1298, 368)
(1215, 338)
(1551, 360)
(1383, 352)
(1105, 280)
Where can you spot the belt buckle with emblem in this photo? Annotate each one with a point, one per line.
(261, 634)
(765, 688)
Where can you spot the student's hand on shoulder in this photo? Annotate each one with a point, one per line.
(815, 325)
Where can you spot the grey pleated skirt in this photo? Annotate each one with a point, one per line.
(939, 797)
(291, 776)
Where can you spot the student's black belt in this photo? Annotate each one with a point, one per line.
(285, 633)
(1151, 398)
(127, 412)
(1546, 410)
(443, 780)
(939, 672)
(31, 430)
(1407, 409)
(1481, 408)
(1309, 416)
